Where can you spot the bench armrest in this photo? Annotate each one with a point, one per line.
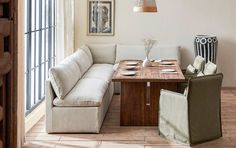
(50, 95)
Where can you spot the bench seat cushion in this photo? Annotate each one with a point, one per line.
(100, 71)
(86, 93)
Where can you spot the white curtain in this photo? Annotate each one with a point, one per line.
(64, 47)
(65, 29)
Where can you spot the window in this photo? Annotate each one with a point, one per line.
(39, 48)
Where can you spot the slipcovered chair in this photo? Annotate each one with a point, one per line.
(195, 117)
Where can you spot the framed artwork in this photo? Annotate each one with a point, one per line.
(100, 17)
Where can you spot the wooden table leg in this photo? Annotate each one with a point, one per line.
(132, 103)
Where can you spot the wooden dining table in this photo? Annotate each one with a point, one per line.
(140, 93)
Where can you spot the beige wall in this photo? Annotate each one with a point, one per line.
(177, 22)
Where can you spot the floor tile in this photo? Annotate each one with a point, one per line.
(78, 144)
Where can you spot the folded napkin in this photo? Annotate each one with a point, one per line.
(168, 72)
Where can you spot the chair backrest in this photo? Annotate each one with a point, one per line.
(204, 96)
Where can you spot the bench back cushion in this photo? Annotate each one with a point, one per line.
(83, 59)
(64, 76)
(137, 52)
(87, 51)
(129, 52)
(103, 53)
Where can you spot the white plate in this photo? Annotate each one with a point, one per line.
(166, 63)
(132, 63)
(168, 70)
(130, 67)
(129, 73)
(158, 61)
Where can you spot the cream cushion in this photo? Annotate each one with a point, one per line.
(87, 92)
(100, 71)
(82, 59)
(103, 53)
(199, 63)
(64, 77)
(190, 69)
(129, 52)
(137, 52)
(166, 52)
(210, 68)
(87, 51)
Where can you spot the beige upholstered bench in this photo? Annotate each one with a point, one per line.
(79, 89)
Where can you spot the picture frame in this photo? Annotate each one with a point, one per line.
(101, 17)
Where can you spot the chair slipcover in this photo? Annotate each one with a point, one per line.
(194, 118)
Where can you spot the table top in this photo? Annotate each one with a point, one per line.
(149, 74)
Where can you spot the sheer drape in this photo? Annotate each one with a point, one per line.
(64, 47)
(64, 29)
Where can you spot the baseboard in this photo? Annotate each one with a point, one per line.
(32, 118)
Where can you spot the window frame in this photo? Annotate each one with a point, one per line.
(40, 53)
